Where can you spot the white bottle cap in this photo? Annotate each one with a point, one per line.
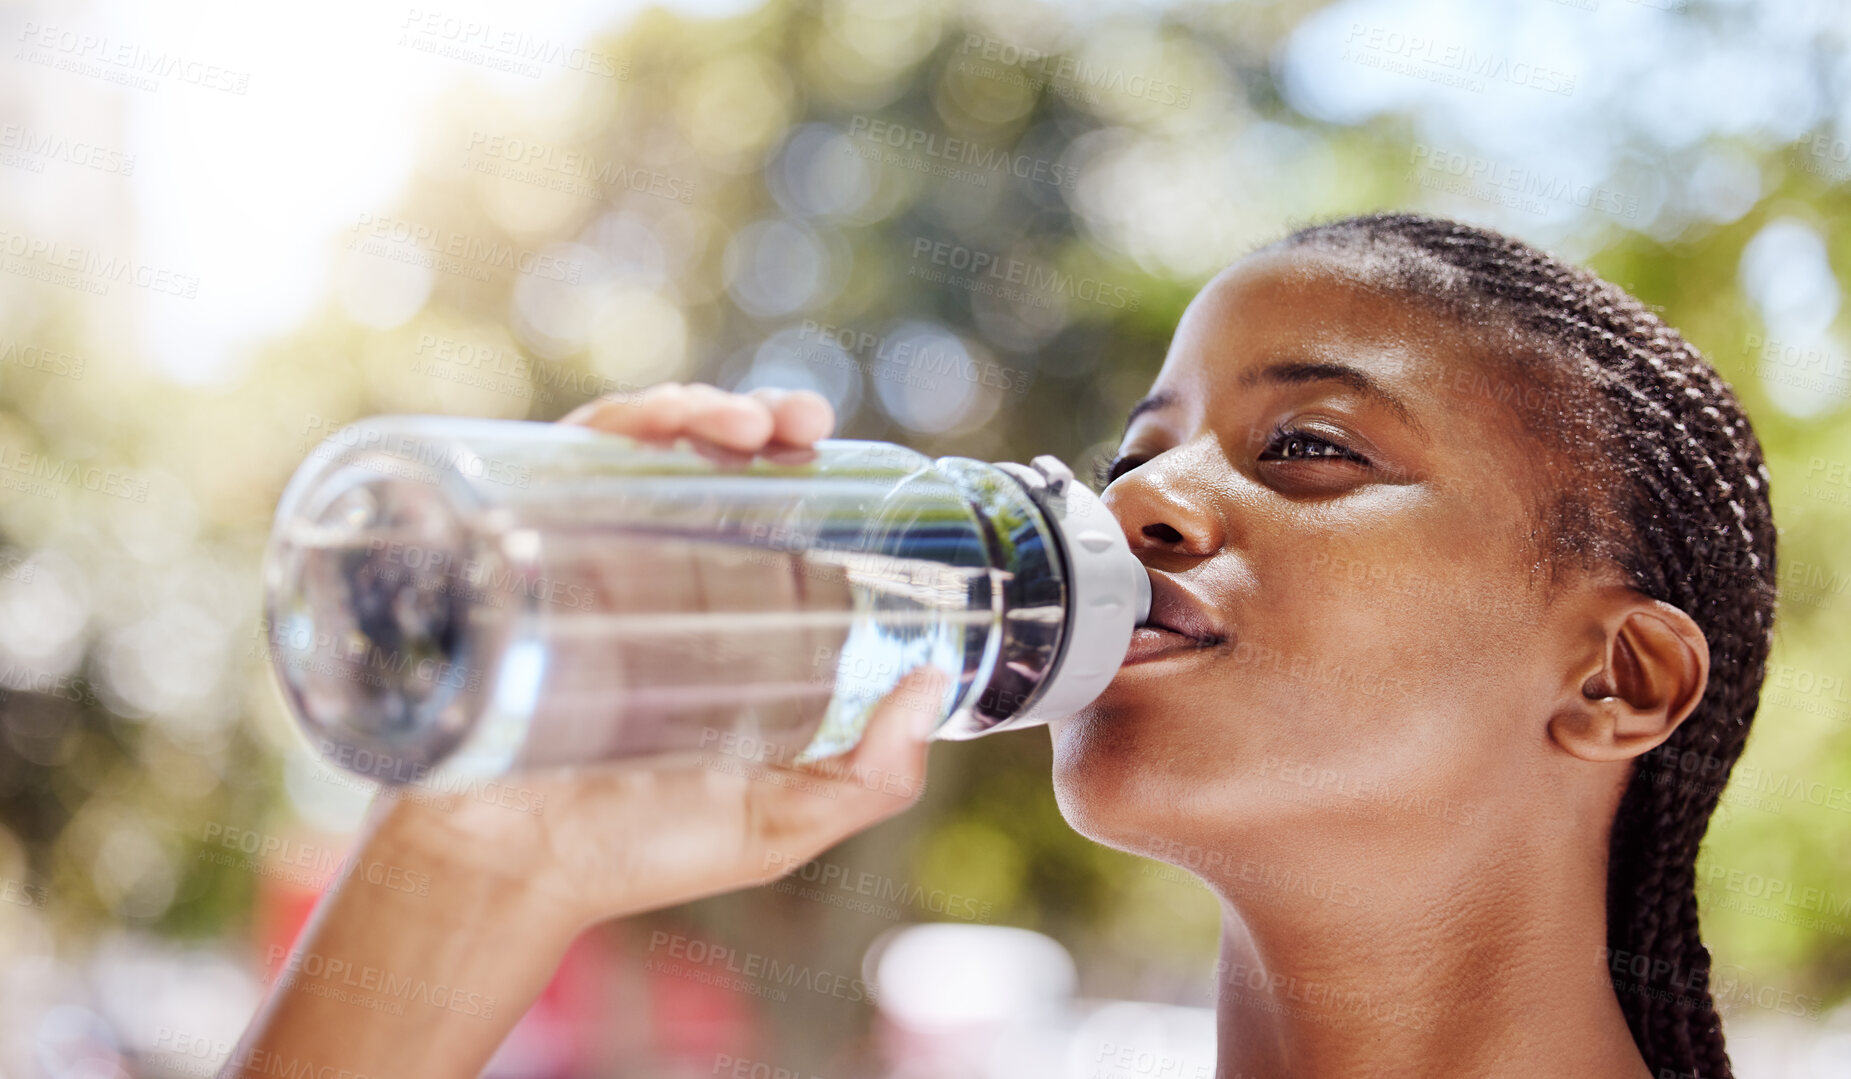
(1108, 592)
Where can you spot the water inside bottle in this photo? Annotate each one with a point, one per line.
(413, 633)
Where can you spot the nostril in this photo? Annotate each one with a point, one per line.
(1163, 533)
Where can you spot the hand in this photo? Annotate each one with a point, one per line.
(508, 889)
(749, 422)
(620, 838)
(630, 577)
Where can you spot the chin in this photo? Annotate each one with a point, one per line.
(1104, 781)
(1132, 772)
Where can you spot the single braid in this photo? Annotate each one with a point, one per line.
(1681, 507)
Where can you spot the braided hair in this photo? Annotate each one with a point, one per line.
(1678, 502)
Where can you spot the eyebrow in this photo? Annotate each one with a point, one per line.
(1160, 399)
(1296, 372)
(1293, 373)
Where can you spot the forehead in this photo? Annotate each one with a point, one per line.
(1311, 307)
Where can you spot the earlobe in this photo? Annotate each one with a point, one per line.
(1648, 675)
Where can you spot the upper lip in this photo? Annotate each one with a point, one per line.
(1178, 610)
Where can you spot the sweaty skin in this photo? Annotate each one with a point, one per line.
(1382, 731)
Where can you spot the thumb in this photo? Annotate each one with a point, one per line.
(885, 772)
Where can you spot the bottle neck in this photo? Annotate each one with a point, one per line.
(1028, 597)
(1069, 656)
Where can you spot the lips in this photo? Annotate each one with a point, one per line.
(1178, 622)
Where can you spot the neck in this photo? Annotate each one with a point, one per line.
(1488, 961)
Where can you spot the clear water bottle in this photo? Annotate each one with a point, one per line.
(485, 595)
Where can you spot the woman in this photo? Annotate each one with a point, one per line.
(1460, 559)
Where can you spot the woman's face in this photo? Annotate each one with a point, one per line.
(1332, 496)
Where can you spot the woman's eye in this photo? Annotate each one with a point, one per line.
(1107, 471)
(1302, 446)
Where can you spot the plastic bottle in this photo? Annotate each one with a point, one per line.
(485, 595)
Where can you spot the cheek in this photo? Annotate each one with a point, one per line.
(1417, 671)
(1353, 675)
(1402, 624)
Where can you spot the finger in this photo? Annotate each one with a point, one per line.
(670, 410)
(727, 457)
(794, 814)
(660, 411)
(675, 830)
(908, 714)
(800, 417)
(885, 772)
(732, 420)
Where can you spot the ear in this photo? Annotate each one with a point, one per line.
(1644, 670)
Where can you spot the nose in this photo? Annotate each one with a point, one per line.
(1165, 511)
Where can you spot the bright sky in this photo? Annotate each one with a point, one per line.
(245, 190)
